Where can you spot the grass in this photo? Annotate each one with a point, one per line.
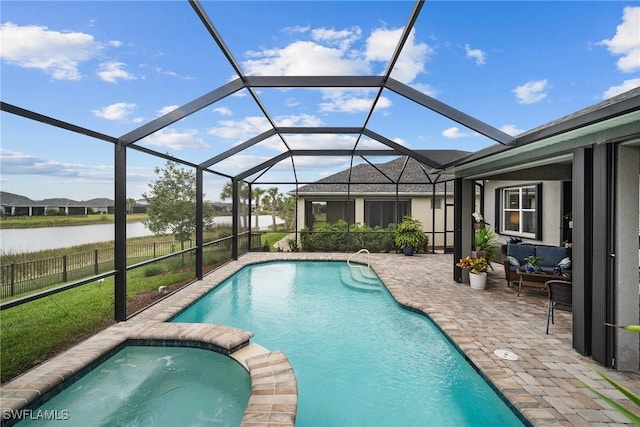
(63, 220)
(270, 239)
(36, 331)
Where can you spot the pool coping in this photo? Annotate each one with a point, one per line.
(549, 389)
(273, 386)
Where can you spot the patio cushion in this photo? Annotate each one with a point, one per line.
(513, 261)
(565, 263)
(520, 252)
(551, 255)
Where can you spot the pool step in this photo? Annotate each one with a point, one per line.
(361, 278)
(248, 351)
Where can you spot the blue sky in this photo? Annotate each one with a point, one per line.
(114, 66)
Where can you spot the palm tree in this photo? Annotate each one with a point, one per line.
(243, 192)
(257, 195)
(130, 203)
(288, 211)
(275, 198)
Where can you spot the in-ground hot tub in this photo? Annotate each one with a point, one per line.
(149, 385)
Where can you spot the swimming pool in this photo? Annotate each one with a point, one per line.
(151, 386)
(359, 359)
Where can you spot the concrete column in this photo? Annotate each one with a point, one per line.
(464, 196)
(359, 210)
(626, 256)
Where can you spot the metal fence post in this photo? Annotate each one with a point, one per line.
(13, 278)
(95, 262)
(64, 268)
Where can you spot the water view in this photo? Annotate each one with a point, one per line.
(22, 240)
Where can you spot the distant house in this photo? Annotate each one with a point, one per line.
(17, 205)
(380, 194)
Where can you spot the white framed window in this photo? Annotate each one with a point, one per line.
(436, 203)
(521, 211)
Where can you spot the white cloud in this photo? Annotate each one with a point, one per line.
(16, 163)
(291, 102)
(334, 52)
(412, 58)
(381, 44)
(342, 39)
(117, 111)
(531, 92)
(626, 41)
(350, 101)
(240, 130)
(223, 111)
(112, 71)
(305, 58)
(188, 139)
(454, 133)
(299, 120)
(511, 130)
(627, 85)
(58, 54)
(425, 88)
(476, 54)
(167, 109)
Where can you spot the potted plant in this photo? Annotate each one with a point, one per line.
(485, 243)
(531, 263)
(478, 267)
(409, 235)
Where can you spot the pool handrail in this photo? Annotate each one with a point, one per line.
(363, 250)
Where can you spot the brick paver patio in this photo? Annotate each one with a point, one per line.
(545, 384)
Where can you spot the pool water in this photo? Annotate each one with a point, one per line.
(153, 386)
(359, 358)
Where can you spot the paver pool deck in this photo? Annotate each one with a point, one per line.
(546, 383)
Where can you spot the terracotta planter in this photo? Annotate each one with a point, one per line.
(478, 281)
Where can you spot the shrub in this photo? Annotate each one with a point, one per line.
(340, 237)
(153, 270)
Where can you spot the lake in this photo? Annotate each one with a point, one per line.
(22, 240)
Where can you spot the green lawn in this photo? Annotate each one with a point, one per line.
(62, 220)
(270, 239)
(36, 331)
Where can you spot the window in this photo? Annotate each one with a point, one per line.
(436, 203)
(521, 211)
(382, 212)
(319, 212)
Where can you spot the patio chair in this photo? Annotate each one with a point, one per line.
(560, 296)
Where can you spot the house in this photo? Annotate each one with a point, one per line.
(584, 167)
(17, 205)
(380, 194)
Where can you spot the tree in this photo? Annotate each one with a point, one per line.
(257, 195)
(243, 194)
(130, 203)
(274, 197)
(288, 211)
(172, 203)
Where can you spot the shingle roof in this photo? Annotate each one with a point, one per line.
(10, 199)
(411, 176)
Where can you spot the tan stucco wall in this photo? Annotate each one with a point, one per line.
(420, 208)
